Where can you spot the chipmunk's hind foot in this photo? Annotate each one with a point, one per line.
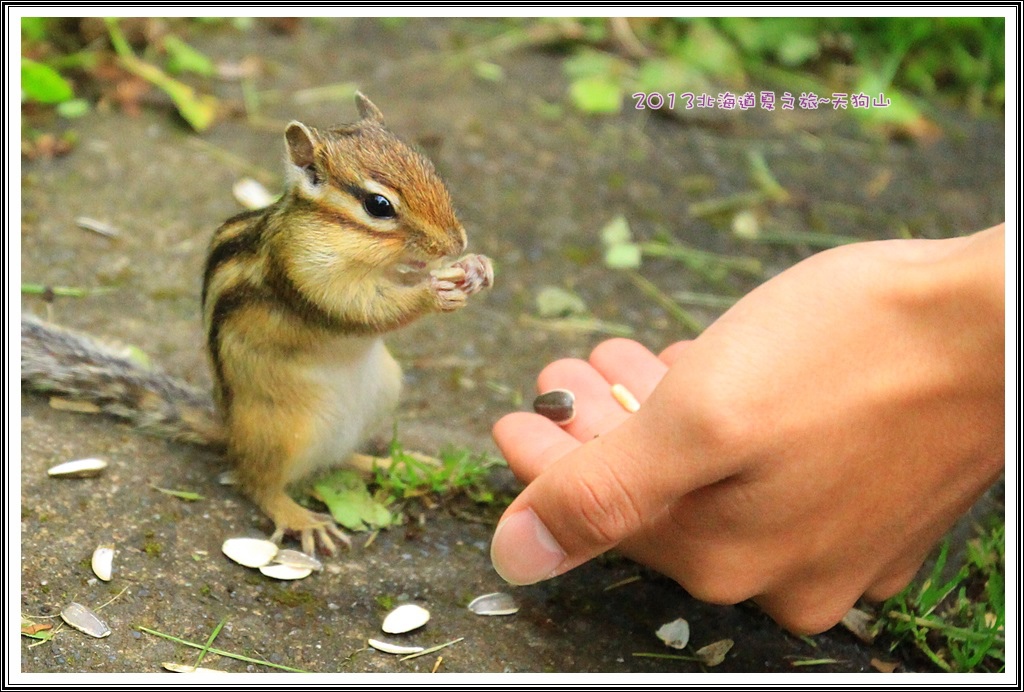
(314, 529)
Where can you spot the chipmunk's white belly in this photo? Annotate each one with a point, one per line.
(359, 384)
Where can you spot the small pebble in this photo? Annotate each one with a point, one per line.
(557, 405)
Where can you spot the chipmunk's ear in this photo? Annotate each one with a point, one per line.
(368, 111)
(301, 143)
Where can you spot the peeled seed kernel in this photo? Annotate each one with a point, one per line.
(625, 398)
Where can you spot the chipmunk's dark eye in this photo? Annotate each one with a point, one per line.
(379, 206)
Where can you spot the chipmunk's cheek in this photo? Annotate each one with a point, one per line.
(411, 270)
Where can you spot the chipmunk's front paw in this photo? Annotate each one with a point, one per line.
(478, 273)
(461, 279)
(447, 292)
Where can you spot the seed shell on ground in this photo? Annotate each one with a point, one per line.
(84, 620)
(494, 604)
(79, 468)
(675, 634)
(250, 552)
(251, 194)
(183, 668)
(103, 561)
(299, 559)
(390, 648)
(285, 572)
(405, 618)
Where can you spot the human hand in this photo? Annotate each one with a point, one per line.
(808, 448)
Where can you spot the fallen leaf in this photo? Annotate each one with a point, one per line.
(884, 666)
(350, 503)
(859, 622)
(32, 629)
(186, 495)
(616, 231)
(553, 301)
(620, 251)
(714, 653)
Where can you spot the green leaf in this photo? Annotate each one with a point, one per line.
(34, 28)
(616, 231)
(593, 63)
(488, 71)
(42, 83)
(710, 52)
(186, 495)
(620, 252)
(623, 256)
(671, 75)
(182, 57)
(350, 503)
(797, 50)
(554, 301)
(75, 108)
(597, 94)
(199, 110)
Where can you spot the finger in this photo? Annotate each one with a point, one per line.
(810, 609)
(890, 585)
(595, 497)
(672, 353)
(630, 364)
(596, 411)
(896, 575)
(530, 443)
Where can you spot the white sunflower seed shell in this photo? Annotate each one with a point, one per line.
(103, 561)
(675, 634)
(299, 559)
(405, 618)
(79, 468)
(494, 604)
(285, 572)
(84, 620)
(182, 668)
(251, 552)
(251, 194)
(389, 648)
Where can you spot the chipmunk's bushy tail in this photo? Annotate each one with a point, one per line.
(78, 367)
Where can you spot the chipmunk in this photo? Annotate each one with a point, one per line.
(296, 298)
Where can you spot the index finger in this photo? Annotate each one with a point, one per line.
(530, 443)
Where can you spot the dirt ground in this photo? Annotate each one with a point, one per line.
(534, 184)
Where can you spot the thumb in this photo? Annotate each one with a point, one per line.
(593, 498)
